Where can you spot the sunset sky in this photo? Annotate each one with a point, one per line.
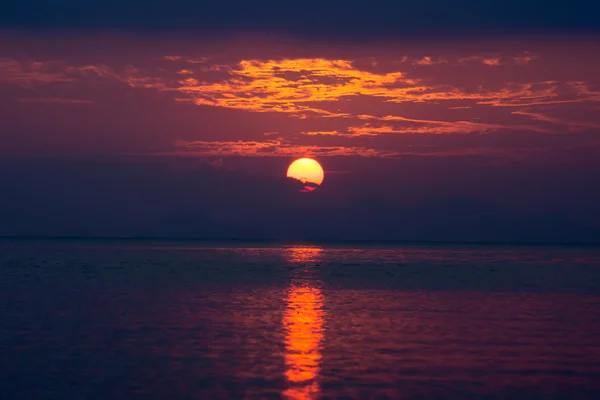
(471, 122)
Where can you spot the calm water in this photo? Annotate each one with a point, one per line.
(184, 321)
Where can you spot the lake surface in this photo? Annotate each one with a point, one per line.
(145, 320)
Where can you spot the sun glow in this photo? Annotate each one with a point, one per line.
(307, 171)
(303, 322)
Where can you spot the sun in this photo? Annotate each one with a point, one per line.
(307, 171)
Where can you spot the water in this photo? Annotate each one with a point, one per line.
(102, 320)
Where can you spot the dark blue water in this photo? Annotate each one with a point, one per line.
(110, 320)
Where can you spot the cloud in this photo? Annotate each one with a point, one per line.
(291, 85)
(316, 87)
(486, 60)
(400, 200)
(392, 124)
(198, 60)
(350, 97)
(541, 93)
(429, 61)
(322, 133)
(492, 62)
(29, 73)
(280, 148)
(525, 58)
(270, 148)
(129, 75)
(54, 100)
(570, 125)
(497, 60)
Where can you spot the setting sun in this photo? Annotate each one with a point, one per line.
(307, 171)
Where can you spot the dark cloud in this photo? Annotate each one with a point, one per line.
(348, 19)
(175, 198)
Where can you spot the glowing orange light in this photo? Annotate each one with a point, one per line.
(303, 322)
(307, 171)
(301, 255)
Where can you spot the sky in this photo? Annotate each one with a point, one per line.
(458, 121)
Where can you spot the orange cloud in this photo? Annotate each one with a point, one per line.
(319, 88)
(277, 148)
(427, 127)
(309, 88)
(495, 61)
(270, 148)
(411, 125)
(321, 133)
(289, 85)
(304, 87)
(429, 61)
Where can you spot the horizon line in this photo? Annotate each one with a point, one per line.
(299, 242)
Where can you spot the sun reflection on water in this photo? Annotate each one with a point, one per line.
(301, 255)
(303, 325)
